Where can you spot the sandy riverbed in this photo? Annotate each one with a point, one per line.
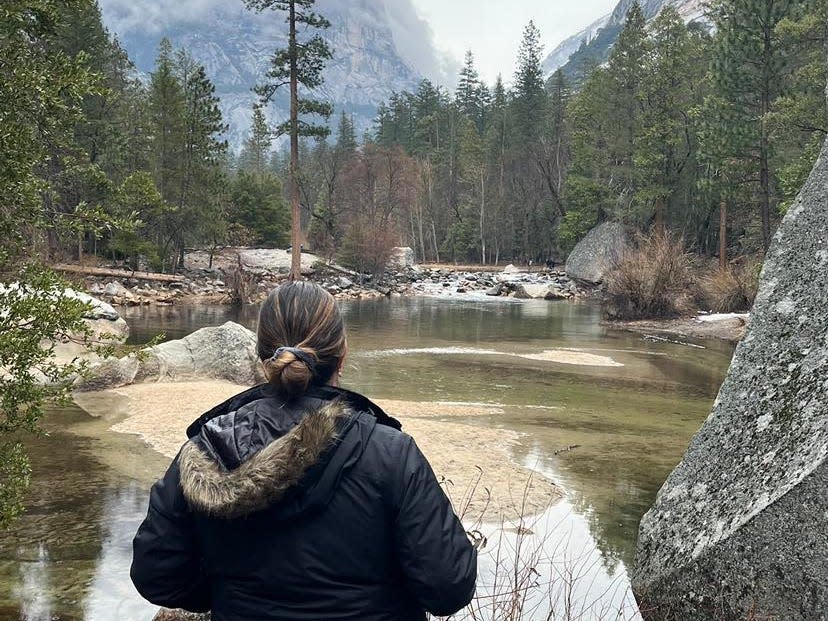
(474, 462)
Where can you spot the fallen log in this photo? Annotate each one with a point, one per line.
(106, 272)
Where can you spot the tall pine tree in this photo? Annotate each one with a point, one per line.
(300, 63)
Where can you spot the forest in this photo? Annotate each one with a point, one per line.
(704, 131)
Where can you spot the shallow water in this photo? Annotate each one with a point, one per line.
(606, 414)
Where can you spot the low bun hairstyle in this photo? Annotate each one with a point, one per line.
(301, 337)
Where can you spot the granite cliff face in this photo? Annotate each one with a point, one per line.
(597, 39)
(374, 51)
(740, 528)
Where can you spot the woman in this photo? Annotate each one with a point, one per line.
(300, 500)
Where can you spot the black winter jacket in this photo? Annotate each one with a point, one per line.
(315, 509)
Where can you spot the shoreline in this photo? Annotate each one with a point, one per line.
(249, 274)
(474, 463)
(728, 327)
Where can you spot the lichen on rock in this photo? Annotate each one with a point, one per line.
(739, 530)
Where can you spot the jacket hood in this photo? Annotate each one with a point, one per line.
(258, 452)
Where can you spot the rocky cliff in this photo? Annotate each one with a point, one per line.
(378, 48)
(740, 528)
(596, 40)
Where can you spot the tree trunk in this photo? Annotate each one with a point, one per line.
(722, 235)
(296, 251)
(482, 219)
(659, 216)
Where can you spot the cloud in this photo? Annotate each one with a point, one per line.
(154, 16)
(415, 42)
(412, 35)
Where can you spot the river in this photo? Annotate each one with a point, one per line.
(608, 432)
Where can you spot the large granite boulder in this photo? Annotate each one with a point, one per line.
(226, 352)
(740, 528)
(598, 252)
(541, 291)
(402, 257)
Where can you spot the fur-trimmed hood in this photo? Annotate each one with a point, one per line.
(258, 452)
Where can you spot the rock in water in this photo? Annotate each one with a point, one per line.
(740, 528)
(226, 352)
(598, 252)
(531, 292)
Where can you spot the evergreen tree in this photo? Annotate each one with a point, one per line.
(167, 106)
(799, 122)
(626, 68)
(529, 94)
(468, 94)
(750, 65)
(255, 153)
(665, 147)
(301, 62)
(258, 206)
(346, 141)
(41, 99)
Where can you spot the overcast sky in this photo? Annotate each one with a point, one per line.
(492, 28)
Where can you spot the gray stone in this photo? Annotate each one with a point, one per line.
(598, 252)
(226, 352)
(557, 294)
(495, 291)
(740, 528)
(344, 283)
(105, 327)
(116, 289)
(401, 257)
(109, 373)
(531, 292)
(99, 310)
(511, 269)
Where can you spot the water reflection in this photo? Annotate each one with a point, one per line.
(571, 579)
(68, 557)
(608, 434)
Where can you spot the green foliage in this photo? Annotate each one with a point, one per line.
(255, 153)
(257, 205)
(40, 101)
(36, 315)
(306, 57)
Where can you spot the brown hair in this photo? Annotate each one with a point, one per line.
(301, 337)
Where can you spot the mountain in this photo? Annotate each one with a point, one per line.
(560, 55)
(379, 47)
(593, 44)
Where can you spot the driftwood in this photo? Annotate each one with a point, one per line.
(123, 274)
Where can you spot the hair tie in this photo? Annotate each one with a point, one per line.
(298, 354)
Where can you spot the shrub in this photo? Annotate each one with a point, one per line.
(368, 246)
(730, 289)
(654, 281)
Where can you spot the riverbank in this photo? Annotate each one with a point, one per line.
(231, 275)
(726, 327)
(473, 462)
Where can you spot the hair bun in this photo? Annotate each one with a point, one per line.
(291, 369)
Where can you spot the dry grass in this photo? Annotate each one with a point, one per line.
(533, 579)
(732, 289)
(653, 281)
